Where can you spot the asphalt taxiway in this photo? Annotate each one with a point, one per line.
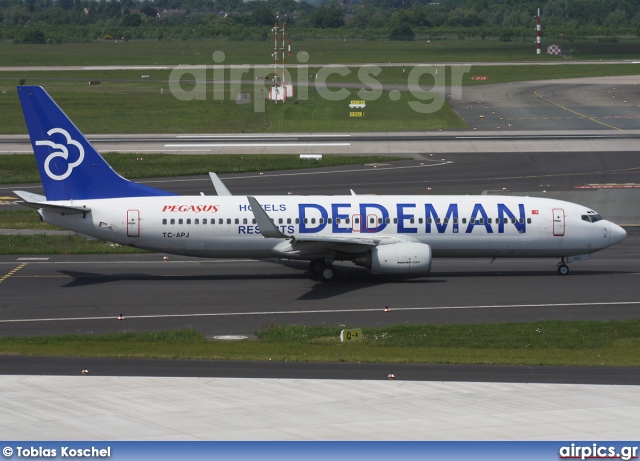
(220, 297)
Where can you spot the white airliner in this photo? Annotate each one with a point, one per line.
(396, 234)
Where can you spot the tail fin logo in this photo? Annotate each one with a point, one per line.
(62, 151)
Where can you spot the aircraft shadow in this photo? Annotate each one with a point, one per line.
(89, 278)
(347, 282)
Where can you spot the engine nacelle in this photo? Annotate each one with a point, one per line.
(397, 258)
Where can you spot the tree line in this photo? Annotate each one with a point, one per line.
(57, 21)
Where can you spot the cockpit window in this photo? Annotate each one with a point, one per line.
(592, 217)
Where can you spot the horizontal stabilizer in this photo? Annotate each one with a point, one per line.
(40, 202)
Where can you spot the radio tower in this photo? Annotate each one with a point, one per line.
(281, 90)
(538, 40)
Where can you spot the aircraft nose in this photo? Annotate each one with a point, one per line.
(618, 234)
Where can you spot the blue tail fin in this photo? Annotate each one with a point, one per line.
(70, 168)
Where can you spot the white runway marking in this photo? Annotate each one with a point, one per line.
(266, 144)
(249, 136)
(360, 170)
(325, 311)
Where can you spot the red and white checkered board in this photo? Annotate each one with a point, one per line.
(553, 49)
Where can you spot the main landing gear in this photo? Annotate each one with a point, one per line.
(563, 269)
(326, 272)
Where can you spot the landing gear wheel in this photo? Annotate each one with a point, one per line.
(327, 273)
(563, 269)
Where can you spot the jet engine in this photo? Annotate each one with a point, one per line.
(397, 258)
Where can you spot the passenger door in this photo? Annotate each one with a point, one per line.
(558, 222)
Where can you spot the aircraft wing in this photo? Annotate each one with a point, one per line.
(36, 201)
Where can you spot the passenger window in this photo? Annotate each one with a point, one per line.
(337, 220)
(279, 220)
(395, 220)
(189, 221)
(372, 220)
(313, 220)
(297, 220)
(412, 220)
(306, 220)
(173, 221)
(489, 220)
(346, 220)
(430, 220)
(329, 220)
(196, 221)
(356, 220)
(204, 221)
(321, 220)
(481, 220)
(455, 220)
(506, 220)
(419, 220)
(244, 221)
(288, 220)
(437, 220)
(164, 221)
(472, 220)
(388, 220)
(379, 220)
(237, 221)
(220, 221)
(228, 220)
(253, 221)
(521, 220)
(513, 220)
(180, 221)
(464, 220)
(528, 220)
(446, 220)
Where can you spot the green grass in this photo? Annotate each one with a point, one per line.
(125, 103)
(584, 343)
(504, 74)
(58, 245)
(138, 107)
(23, 219)
(152, 52)
(15, 169)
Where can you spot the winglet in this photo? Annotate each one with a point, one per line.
(267, 228)
(218, 185)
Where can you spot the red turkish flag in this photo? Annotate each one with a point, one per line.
(534, 211)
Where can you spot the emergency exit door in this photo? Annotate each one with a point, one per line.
(133, 223)
(558, 222)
